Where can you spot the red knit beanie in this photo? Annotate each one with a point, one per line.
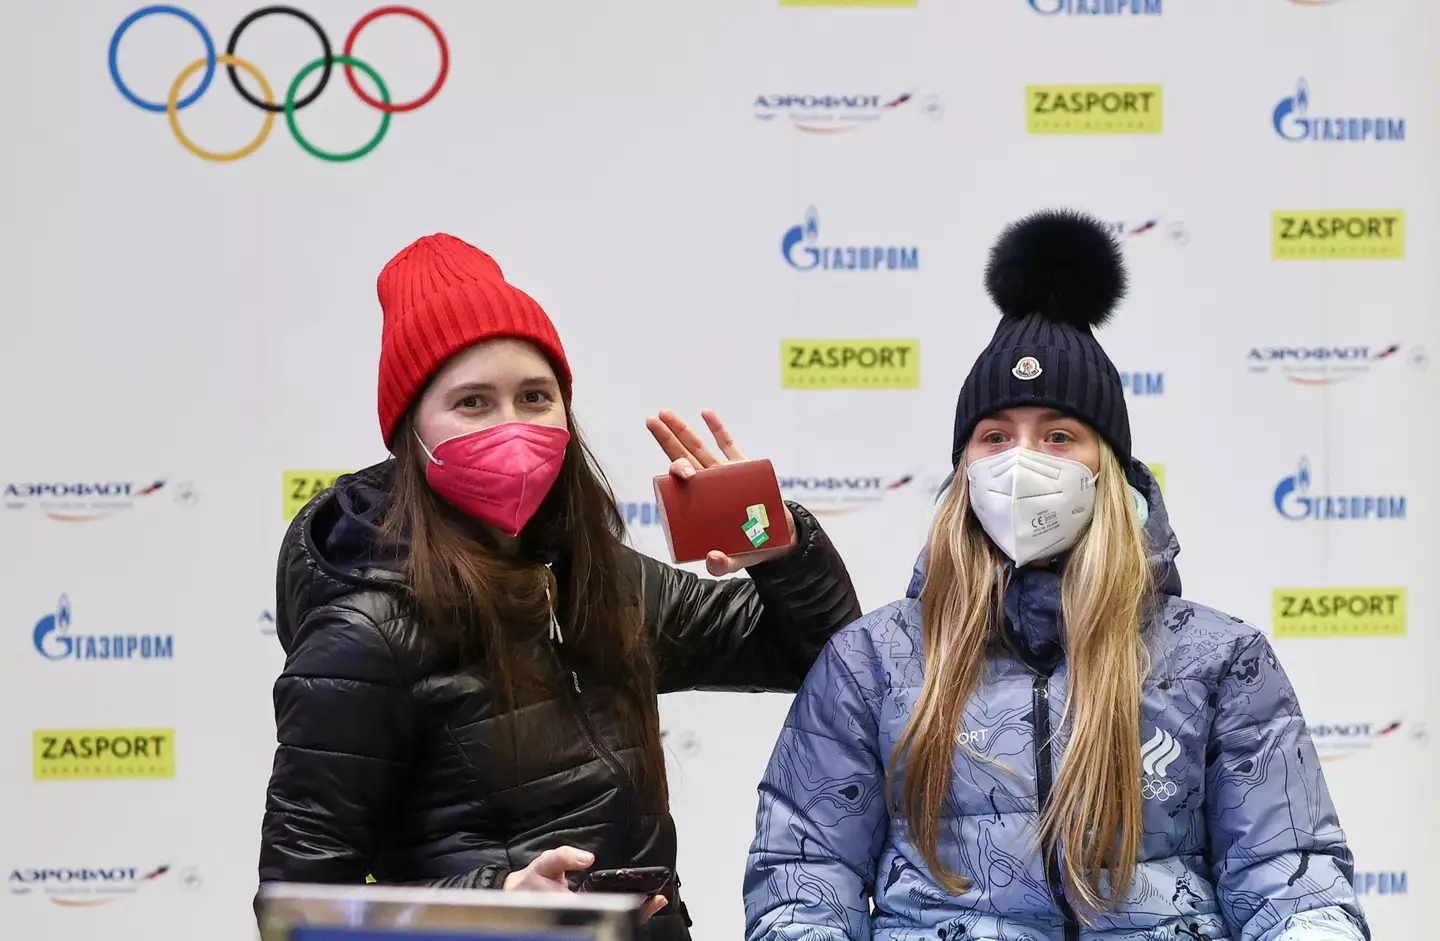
(438, 296)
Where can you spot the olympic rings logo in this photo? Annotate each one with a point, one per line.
(174, 104)
(1158, 789)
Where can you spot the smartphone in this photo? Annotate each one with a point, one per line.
(732, 507)
(647, 880)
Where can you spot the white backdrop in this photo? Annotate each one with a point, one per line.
(634, 165)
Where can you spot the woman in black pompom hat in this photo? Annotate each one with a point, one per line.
(1043, 740)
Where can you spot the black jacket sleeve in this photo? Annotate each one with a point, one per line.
(343, 723)
(757, 634)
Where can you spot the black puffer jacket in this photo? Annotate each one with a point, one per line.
(386, 764)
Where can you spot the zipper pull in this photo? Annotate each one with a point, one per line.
(575, 678)
(555, 634)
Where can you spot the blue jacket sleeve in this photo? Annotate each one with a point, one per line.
(1282, 867)
(822, 819)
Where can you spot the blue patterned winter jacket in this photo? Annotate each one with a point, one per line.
(1241, 840)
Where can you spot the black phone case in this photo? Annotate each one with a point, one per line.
(639, 881)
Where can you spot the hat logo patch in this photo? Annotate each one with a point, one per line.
(1027, 368)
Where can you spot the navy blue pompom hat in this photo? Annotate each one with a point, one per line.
(1055, 275)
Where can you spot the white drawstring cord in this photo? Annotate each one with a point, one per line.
(555, 633)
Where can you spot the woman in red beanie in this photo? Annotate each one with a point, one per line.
(473, 655)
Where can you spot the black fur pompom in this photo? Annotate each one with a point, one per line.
(1060, 264)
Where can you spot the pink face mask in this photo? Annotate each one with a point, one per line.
(498, 475)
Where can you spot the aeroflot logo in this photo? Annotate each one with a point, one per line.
(1175, 232)
(838, 114)
(85, 887)
(1324, 365)
(1341, 740)
(836, 495)
(85, 501)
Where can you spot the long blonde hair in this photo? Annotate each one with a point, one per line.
(1094, 810)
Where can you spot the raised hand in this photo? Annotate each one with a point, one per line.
(688, 452)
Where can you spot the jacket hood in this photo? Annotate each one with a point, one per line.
(1159, 536)
(346, 532)
(333, 546)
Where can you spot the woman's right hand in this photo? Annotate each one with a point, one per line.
(546, 873)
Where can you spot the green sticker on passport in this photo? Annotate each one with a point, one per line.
(755, 531)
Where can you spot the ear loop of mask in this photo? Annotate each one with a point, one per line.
(431, 455)
(435, 460)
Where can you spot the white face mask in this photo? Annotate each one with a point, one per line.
(1033, 506)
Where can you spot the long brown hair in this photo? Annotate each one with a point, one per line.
(492, 607)
(1094, 810)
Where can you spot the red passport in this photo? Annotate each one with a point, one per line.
(733, 507)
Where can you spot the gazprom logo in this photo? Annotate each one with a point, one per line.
(1143, 383)
(1097, 7)
(803, 251)
(1382, 883)
(53, 641)
(1292, 121)
(1294, 501)
(639, 514)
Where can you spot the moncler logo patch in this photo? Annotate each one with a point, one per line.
(1027, 368)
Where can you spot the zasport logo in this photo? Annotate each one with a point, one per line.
(103, 754)
(850, 364)
(178, 99)
(1094, 109)
(1337, 234)
(302, 486)
(1339, 612)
